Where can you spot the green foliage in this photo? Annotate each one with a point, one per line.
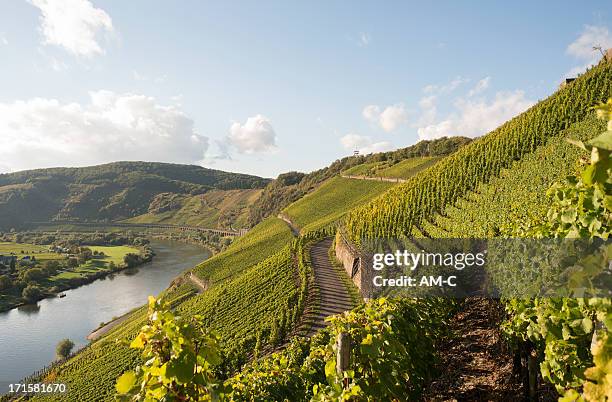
(392, 356)
(290, 187)
(258, 244)
(64, 348)
(408, 168)
(32, 293)
(519, 191)
(406, 206)
(564, 328)
(332, 200)
(213, 209)
(114, 191)
(179, 356)
(251, 305)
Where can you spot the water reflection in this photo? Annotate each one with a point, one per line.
(29, 309)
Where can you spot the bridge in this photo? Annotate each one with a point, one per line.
(182, 228)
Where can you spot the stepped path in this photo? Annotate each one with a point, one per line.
(331, 296)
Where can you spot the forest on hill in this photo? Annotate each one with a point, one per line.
(108, 192)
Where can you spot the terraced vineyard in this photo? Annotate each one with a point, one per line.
(331, 201)
(408, 204)
(215, 209)
(519, 191)
(259, 243)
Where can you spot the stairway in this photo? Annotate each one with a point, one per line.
(332, 295)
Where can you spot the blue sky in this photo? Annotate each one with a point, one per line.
(268, 87)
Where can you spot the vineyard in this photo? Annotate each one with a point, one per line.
(494, 186)
(331, 201)
(259, 243)
(519, 191)
(408, 168)
(407, 205)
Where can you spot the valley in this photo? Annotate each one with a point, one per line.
(281, 306)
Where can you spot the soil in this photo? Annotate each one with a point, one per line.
(475, 362)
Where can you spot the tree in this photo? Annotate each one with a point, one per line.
(5, 282)
(33, 274)
(64, 348)
(51, 267)
(31, 293)
(131, 260)
(73, 263)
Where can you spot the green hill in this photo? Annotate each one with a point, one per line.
(213, 209)
(403, 209)
(519, 191)
(290, 187)
(329, 202)
(109, 192)
(260, 279)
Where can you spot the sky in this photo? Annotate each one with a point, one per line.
(265, 87)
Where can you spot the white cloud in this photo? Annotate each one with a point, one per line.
(445, 88)
(363, 144)
(480, 86)
(429, 110)
(42, 132)
(73, 25)
(3, 40)
(254, 136)
(389, 119)
(582, 47)
(477, 117)
(364, 39)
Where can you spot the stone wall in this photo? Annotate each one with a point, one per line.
(355, 264)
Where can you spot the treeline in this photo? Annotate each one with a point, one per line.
(291, 186)
(71, 239)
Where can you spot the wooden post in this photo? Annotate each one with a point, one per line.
(597, 332)
(532, 365)
(343, 357)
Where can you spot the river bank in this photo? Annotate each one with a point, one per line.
(30, 333)
(11, 301)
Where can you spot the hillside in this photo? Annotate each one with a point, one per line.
(402, 210)
(213, 209)
(110, 192)
(502, 173)
(290, 187)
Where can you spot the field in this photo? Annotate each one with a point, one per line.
(40, 252)
(65, 278)
(332, 200)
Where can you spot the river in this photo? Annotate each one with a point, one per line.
(29, 334)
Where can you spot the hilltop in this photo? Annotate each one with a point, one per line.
(110, 192)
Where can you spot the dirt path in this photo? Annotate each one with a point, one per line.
(377, 178)
(200, 284)
(103, 330)
(294, 229)
(332, 295)
(475, 364)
